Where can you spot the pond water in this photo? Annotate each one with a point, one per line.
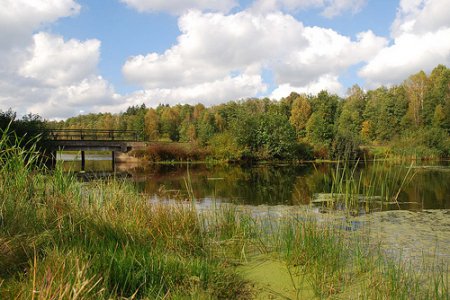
(416, 187)
(416, 225)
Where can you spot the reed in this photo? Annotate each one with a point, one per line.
(373, 188)
(63, 239)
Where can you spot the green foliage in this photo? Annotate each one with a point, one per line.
(224, 146)
(325, 122)
(320, 127)
(423, 143)
(30, 128)
(300, 113)
(351, 117)
(346, 146)
(275, 137)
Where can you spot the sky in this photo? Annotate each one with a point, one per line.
(61, 58)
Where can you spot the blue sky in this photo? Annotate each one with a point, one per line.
(60, 58)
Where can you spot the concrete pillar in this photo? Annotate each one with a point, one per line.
(113, 159)
(51, 160)
(83, 161)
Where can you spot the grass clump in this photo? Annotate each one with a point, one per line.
(63, 239)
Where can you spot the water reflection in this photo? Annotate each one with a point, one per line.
(427, 187)
(292, 185)
(95, 162)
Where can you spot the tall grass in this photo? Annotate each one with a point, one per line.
(373, 188)
(63, 239)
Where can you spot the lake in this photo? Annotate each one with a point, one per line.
(415, 187)
(415, 226)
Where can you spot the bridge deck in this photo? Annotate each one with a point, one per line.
(92, 135)
(92, 140)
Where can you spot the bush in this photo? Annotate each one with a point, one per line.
(224, 146)
(175, 152)
(425, 143)
(304, 151)
(346, 146)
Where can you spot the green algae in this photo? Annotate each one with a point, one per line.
(416, 237)
(275, 279)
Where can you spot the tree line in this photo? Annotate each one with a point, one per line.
(410, 119)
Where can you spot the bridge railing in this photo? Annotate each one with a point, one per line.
(92, 135)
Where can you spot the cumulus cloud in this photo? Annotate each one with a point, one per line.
(56, 78)
(43, 73)
(330, 8)
(93, 94)
(214, 47)
(180, 6)
(19, 18)
(421, 16)
(326, 82)
(421, 40)
(56, 62)
(328, 52)
(208, 93)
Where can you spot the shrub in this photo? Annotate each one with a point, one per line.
(175, 152)
(423, 143)
(346, 146)
(224, 146)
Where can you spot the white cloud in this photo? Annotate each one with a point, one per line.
(328, 52)
(326, 82)
(337, 7)
(421, 16)
(181, 6)
(57, 79)
(330, 8)
(409, 54)
(42, 73)
(19, 18)
(56, 62)
(208, 93)
(92, 94)
(214, 47)
(421, 41)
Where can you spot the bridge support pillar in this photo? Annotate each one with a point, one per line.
(51, 159)
(113, 161)
(83, 161)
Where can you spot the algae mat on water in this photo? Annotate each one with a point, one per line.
(412, 236)
(274, 279)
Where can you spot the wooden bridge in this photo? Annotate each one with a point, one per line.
(92, 140)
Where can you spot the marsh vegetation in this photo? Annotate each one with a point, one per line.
(63, 239)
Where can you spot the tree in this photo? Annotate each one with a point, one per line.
(275, 137)
(300, 113)
(437, 93)
(416, 86)
(205, 127)
(169, 122)
(320, 126)
(351, 117)
(151, 124)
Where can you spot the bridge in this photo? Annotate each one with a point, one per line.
(92, 140)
